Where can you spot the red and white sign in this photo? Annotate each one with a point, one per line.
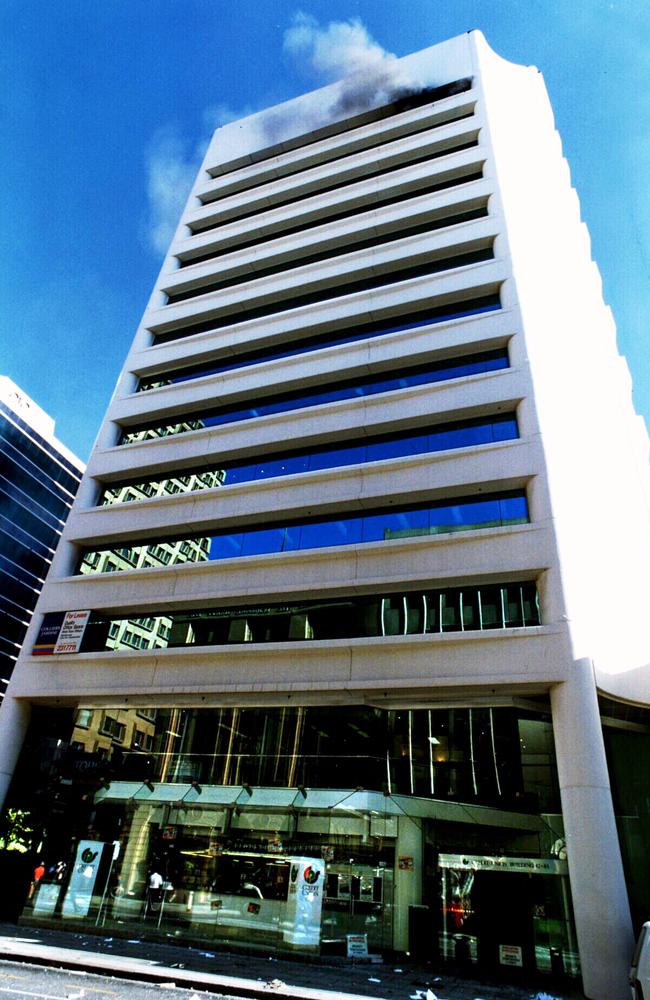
(72, 632)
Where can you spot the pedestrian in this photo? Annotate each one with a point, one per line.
(154, 891)
(39, 872)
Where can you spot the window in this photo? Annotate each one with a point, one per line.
(111, 727)
(392, 274)
(344, 139)
(141, 740)
(359, 331)
(85, 715)
(461, 514)
(455, 609)
(421, 152)
(343, 247)
(450, 368)
(464, 434)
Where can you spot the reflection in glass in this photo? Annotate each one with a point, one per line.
(463, 434)
(481, 754)
(461, 367)
(464, 514)
(513, 605)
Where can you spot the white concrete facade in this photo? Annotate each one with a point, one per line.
(581, 454)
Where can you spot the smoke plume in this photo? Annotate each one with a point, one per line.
(170, 172)
(343, 50)
(338, 51)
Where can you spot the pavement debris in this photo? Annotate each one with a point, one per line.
(245, 973)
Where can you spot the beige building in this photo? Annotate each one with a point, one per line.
(375, 652)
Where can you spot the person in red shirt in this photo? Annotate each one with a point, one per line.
(39, 872)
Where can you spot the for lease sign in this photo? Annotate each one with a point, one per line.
(72, 632)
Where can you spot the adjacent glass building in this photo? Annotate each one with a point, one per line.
(39, 477)
(319, 661)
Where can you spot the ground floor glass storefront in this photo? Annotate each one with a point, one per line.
(433, 832)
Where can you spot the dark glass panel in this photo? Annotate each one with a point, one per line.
(470, 617)
(491, 607)
(450, 611)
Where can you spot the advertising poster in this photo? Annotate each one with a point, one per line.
(305, 902)
(83, 878)
(62, 632)
(48, 634)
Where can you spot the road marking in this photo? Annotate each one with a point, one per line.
(25, 993)
(49, 996)
(98, 989)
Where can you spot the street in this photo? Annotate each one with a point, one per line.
(18, 980)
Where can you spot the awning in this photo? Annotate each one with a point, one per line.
(355, 801)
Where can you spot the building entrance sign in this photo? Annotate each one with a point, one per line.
(485, 863)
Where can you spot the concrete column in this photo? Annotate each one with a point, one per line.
(137, 847)
(14, 721)
(407, 881)
(600, 903)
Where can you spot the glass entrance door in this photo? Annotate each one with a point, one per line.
(358, 900)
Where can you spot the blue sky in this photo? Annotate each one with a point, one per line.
(106, 107)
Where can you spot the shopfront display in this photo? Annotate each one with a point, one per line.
(450, 855)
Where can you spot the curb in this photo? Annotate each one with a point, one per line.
(141, 969)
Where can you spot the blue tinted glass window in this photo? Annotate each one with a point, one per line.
(459, 515)
(504, 430)
(286, 402)
(317, 342)
(356, 527)
(264, 540)
(226, 546)
(292, 538)
(466, 434)
(514, 508)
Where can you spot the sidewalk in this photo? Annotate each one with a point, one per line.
(253, 976)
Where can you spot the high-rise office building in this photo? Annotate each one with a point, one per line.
(407, 555)
(39, 477)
